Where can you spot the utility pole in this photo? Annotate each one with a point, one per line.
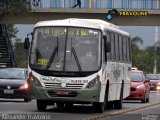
(155, 54)
(156, 39)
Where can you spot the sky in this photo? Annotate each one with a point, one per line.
(147, 33)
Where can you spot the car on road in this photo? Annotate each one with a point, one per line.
(13, 83)
(139, 87)
(154, 80)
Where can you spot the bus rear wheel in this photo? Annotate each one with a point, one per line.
(41, 105)
(119, 103)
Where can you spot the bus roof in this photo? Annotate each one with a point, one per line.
(89, 23)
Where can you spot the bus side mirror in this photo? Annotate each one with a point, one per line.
(107, 44)
(26, 43)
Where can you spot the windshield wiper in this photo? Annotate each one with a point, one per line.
(52, 58)
(10, 78)
(76, 58)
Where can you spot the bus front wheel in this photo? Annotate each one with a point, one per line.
(41, 105)
(60, 104)
(99, 107)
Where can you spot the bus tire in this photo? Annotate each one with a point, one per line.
(27, 99)
(110, 105)
(68, 105)
(118, 103)
(60, 104)
(147, 100)
(144, 99)
(41, 105)
(99, 107)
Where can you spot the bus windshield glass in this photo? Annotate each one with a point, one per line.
(67, 49)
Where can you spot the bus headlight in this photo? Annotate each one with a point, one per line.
(33, 80)
(93, 82)
(24, 87)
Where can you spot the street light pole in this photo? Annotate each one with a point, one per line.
(155, 57)
(156, 39)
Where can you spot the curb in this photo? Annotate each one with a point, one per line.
(98, 117)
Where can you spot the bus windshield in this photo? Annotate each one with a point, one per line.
(67, 49)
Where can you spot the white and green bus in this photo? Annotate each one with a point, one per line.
(79, 61)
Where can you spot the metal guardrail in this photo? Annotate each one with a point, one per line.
(99, 4)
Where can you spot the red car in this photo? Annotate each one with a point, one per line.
(139, 87)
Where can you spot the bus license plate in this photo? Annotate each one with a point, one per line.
(8, 91)
(62, 93)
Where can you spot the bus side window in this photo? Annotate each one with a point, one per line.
(128, 49)
(116, 47)
(121, 48)
(108, 42)
(124, 49)
(112, 47)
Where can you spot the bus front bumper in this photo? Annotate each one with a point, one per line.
(84, 95)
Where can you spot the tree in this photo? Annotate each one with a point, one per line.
(12, 31)
(136, 52)
(18, 50)
(150, 51)
(144, 59)
(150, 57)
(135, 41)
(13, 7)
(20, 53)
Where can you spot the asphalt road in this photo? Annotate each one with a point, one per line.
(78, 112)
(148, 113)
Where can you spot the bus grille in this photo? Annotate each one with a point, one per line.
(68, 86)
